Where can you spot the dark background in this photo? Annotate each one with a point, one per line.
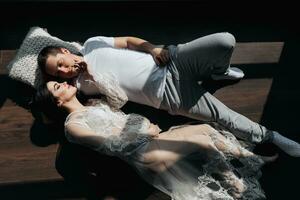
(158, 21)
(167, 22)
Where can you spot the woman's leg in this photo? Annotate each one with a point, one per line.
(170, 147)
(175, 144)
(228, 147)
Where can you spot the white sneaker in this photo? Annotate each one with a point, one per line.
(232, 73)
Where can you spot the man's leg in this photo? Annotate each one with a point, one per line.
(205, 56)
(191, 100)
(188, 98)
(211, 108)
(197, 103)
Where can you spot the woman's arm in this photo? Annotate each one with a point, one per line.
(84, 136)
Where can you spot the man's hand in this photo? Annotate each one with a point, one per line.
(160, 56)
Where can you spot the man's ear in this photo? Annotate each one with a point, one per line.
(64, 50)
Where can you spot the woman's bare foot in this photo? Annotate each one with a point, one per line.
(235, 186)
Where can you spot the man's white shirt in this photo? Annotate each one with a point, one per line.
(136, 72)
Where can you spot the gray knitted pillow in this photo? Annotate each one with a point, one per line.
(24, 66)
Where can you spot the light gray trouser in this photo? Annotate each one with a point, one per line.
(190, 63)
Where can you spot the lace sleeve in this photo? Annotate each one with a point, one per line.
(122, 132)
(133, 132)
(109, 86)
(95, 102)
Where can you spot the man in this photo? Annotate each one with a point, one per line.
(131, 67)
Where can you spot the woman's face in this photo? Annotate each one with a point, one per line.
(63, 92)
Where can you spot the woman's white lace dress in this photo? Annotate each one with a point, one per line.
(194, 177)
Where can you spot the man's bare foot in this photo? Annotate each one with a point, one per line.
(268, 159)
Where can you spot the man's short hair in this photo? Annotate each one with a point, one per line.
(24, 66)
(44, 54)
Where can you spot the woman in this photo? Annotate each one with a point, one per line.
(185, 162)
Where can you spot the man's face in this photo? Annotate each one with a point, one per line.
(65, 64)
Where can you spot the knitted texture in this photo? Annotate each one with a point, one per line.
(24, 66)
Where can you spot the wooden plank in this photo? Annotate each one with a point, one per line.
(14, 118)
(257, 52)
(5, 57)
(244, 53)
(248, 97)
(20, 160)
(9, 103)
(30, 164)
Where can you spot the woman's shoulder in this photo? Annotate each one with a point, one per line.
(76, 115)
(77, 119)
(87, 112)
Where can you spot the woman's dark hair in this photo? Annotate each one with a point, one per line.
(46, 103)
(43, 101)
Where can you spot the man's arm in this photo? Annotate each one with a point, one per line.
(160, 55)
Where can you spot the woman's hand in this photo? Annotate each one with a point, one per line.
(160, 56)
(154, 130)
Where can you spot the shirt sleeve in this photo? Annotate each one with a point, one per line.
(100, 41)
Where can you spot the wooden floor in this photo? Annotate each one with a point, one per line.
(31, 167)
(25, 165)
